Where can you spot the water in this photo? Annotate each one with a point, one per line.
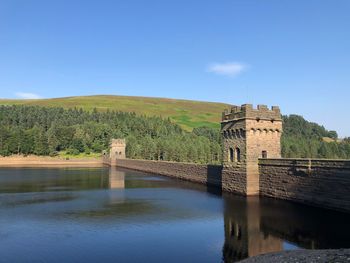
(109, 215)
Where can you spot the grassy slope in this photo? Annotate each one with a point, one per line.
(188, 114)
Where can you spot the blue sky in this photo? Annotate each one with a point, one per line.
(291, 53)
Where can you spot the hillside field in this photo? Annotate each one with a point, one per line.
(187, 113)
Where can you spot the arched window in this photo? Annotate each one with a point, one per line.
(238, 155)
(231, 155)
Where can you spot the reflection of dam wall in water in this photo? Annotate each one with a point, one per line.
(243, 235)
(256, 226)
(310, 229)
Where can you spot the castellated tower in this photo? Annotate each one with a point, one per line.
(117, 150)
(248, 134)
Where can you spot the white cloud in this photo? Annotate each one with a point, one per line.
(26, 95)
(231, 69)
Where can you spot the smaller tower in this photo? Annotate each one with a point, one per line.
(117, 150)
(249, 134)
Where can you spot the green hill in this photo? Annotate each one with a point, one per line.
(187, 113)
(44, 127)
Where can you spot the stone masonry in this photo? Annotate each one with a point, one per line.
(324, 183)
(248, 134)
(199, 173)
(117, 151)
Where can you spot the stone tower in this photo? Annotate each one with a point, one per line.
(117, 150)
(248, 134)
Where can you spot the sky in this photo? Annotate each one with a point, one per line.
(291, 53)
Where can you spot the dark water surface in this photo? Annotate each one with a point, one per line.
(103, 215)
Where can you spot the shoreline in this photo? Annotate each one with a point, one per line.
(47, 161)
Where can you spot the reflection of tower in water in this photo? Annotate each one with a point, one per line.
(116, 178)
(116, 182)
(243, 235)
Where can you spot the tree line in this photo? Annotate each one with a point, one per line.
(303, 139)
(48, 131)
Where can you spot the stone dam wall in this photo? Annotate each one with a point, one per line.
(324, 183)
(205, 174)
(106, 160)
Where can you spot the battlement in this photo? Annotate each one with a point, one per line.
(247, 111)
(118, 143)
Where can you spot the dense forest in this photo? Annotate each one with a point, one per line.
(303, 139)
(48, 131)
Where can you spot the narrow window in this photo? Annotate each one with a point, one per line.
(238, 155)
(239, 233)
(264, 154)
(232, 229)
(231, 155)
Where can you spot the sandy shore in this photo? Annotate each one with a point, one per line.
(46, 161)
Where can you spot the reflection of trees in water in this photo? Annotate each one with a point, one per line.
(36, 198)
(51, 179)
(256, 226)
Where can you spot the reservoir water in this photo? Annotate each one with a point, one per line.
(110, 215)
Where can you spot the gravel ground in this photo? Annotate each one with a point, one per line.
(301, 256)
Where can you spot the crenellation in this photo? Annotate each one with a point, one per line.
(276, 109)
(262, 107)
(262, 112)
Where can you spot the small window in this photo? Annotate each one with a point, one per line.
(239, 233)
(231, 155)
(120, 153)
(238, 155)
(264, 154)
(232, 230)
